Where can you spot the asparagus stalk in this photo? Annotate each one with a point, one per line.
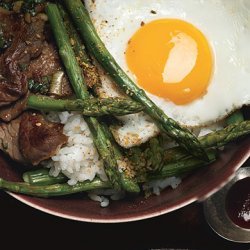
(215, 139)
(88, 107)
(181, 167)
(94, 44)
(92, 77)
(52, 190)
(102, 142)
(42, 177)
(222, 137)
(89, 70)
(78, 47)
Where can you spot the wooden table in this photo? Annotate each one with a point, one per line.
(185, 229)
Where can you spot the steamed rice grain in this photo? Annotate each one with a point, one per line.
(156, 186)
(79, 159)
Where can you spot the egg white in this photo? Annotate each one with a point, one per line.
(226, 24)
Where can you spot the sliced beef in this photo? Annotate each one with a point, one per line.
(13, 83)
(31, 55)
(29, 139)
(27, 44)
(9, 139)
(47, 64)
(10, 112)
(38, 138)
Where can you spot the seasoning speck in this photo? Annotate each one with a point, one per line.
(72, 41)
(153, 12)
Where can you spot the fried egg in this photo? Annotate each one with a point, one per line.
(191, 57)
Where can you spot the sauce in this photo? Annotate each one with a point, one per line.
(238, 203)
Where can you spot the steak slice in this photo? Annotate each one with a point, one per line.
(38, 138)
(10, 112)
(30, 139)
(9, 134)
(47, 64)
(27, 44)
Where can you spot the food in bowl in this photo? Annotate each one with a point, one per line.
(70, 112)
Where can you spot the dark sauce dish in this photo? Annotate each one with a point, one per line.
(228, 210)
(238, 203)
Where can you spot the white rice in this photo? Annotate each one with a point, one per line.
(104, 202)
(79, 159)
(156, 186)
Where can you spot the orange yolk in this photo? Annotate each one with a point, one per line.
(171, 59)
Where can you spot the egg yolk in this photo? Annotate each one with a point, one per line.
(171, 59)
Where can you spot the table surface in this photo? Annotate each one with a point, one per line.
(183, 229)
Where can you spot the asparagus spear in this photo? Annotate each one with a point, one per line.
(214, 139)
(102, 142)
(94, 44)
(222, 137)
(89, 70)
(42, 177)
(78, 47)
(92, 78)
(52, 190)
(181, 167)
(88, 107)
